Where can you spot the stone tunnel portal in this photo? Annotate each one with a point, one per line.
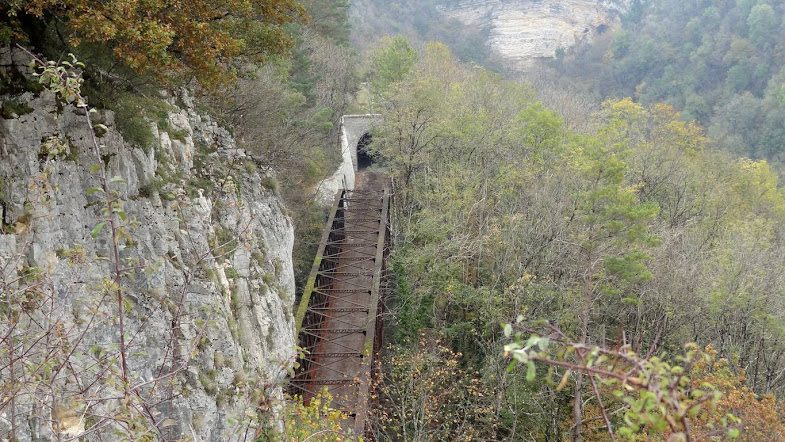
(364, 158)
(355, 138)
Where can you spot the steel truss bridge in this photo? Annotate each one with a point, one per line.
(339, 316)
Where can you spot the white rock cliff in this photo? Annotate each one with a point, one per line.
(214, 241)
(524, 31)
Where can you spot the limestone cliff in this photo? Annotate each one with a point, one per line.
(523, 31)
(214, 285)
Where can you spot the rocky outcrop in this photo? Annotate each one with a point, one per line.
(211, 244)
(523, 31)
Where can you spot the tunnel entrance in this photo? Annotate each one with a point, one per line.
(364, 159)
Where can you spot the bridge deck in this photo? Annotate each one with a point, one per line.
(338, 317)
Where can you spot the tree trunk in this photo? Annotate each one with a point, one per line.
(577, 407)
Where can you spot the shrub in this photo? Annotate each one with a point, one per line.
(163, 38)
(271, 183)
(133, 116)
(13, 108)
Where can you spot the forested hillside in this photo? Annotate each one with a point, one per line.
(718, 62)
(560, 269)
(636, 235)
(420, 21)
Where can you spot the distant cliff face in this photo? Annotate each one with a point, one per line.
(523, 31)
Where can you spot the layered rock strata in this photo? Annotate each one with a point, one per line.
(523, 31)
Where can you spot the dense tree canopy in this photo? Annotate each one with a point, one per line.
(718, 62)
(637, 233)
(420, 21)
(165, 38)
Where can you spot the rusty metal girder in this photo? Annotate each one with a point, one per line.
(339, 316)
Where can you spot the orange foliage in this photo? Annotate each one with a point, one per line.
(763, 418)
(425, 395)
(173, 36)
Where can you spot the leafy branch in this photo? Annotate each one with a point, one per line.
(656, 395)
(65, 81)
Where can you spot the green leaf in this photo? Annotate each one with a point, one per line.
(507, 330)
(549, 377)
(733, 433)
(521, 356)
(95, 168)
(97, 229)
(93, 190)
(512, 346)
(117, 179)
(531, 371)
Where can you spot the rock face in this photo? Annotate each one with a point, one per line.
(209, 297)
(523, 31)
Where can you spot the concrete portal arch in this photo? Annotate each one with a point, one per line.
(353, 129)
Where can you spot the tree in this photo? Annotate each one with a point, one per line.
(762, 23)
(168, 38)
(329, 18)
(614, 223)
(761, 416)
(428, 396)
(740, 77)
(392, 62)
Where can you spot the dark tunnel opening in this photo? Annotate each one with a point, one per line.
(364, 159)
